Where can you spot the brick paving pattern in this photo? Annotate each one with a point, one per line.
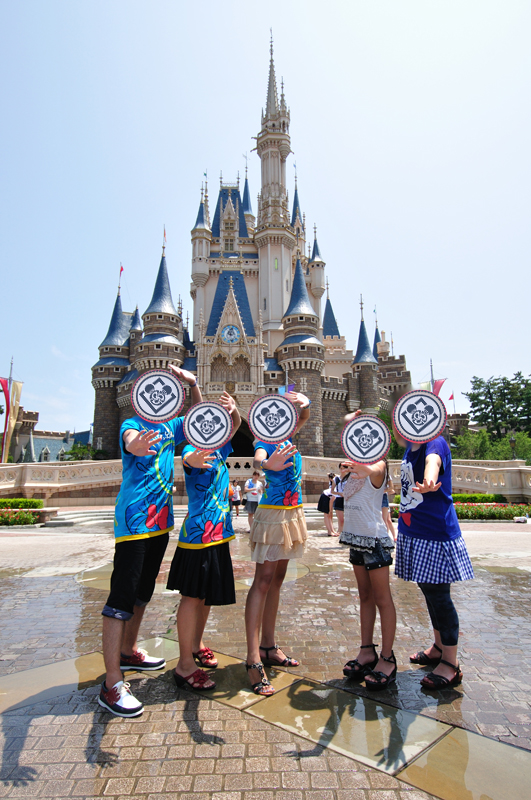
(184, 746)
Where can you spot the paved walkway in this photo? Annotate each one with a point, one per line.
(307, 740)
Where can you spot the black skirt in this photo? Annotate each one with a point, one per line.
(205, 572)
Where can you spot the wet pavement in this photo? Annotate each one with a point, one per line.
(319, 737)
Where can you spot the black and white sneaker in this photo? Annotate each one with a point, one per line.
(141, 662)
(119, 700)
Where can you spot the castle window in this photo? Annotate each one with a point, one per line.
(160, 316)
(158, 347)
(172, 319)
(147, 318)
(117, 369)
(229, 245)
(140, 347)
(118, 349)
(302, 347)
(265, 304)
(276, 263)
(176, 349)
(101, 369)
(284, 349)
(105, 349)
(287, 285)
(229, 226)
(301, 319)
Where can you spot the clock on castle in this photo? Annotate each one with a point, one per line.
(258, 321)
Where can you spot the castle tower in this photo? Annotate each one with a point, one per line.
(364, 392)
(107, 373)
(274, 235)
(377, 341)
(201, 239)
(247, 207)
(301, 355)
(317, 271)
(162, 341)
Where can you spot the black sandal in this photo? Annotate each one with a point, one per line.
(434, 682)
(262, 684)
(356, 671)
(424, 660)
(268, 662)
(382, 680)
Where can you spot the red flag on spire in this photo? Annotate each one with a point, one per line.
(165, 234)
(437, 386)
(121, 270)
(451, 396)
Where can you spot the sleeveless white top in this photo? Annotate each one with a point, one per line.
(363, 518)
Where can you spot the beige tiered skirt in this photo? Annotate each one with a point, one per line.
(277, 534)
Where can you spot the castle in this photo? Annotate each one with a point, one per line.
(257, 322)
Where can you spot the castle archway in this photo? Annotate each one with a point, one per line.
(242, 441)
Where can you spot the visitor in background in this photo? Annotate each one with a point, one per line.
(236, 498)
(337, 491)
(326, 505)
(254, 489)
(386, 511)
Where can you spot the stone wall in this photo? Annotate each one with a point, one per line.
(106, 420)
(334, 395)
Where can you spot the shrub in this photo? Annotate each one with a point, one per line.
(17, 516)
(471, 498)
(495, 512)
(21, 502)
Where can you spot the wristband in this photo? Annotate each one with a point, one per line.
(262, 462)
(303, 408)
(193, 385)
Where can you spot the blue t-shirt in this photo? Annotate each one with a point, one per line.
(431, 515)
(144, 506)
(208, 521)
(283, 488)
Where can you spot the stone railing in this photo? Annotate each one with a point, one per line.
(97, 482)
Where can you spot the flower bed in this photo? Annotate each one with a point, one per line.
(495, 511)
(18, 516)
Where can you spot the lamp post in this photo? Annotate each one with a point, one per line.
(512, 442)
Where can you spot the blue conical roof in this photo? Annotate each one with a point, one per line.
(246, 202)
(364, 353)
(377, 340)
(329, 321)
(296, 207)
(299, 302)
(201, 217)
(136, 324)
(316, 253)
(162, 302)
(118, 332)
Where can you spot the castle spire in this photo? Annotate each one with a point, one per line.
(119, 326)
(364, 354)
(316, 253)
(299, 301)
(330, 327)
(246, 202)
(162, 302)
(272, 96)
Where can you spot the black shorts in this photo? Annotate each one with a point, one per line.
(236, 502)
(339, 504)
(376, 558)
(205, 572)
(136, 566)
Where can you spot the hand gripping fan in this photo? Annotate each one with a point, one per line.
(366, 439)
(273, 418)
(419, 416)
(157, 395)
(208, 426)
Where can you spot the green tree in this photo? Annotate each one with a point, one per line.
(79, 452)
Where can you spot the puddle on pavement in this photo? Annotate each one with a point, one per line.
(99, 577)
(380, 736)
(467, 766)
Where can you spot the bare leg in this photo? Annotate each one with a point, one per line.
(367, 614)
(340, 520)
(190, 620)
(386, 515)
(271, 607)
(113, 632)
(329, 525)
(254, 611)
(250, 517)
(132, 626)
(382, 597)
(201, 620)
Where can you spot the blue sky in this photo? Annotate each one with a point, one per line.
(410, 125)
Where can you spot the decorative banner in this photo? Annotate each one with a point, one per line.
(273, 418)
(157, 396)
(4, 386)
(366, 439)
(419, 416)
(208, 426)
(16, 391)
